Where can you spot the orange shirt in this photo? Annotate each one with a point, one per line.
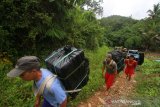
(130, 65)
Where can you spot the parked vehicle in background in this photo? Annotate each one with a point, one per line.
(120, 53)
(139, 56)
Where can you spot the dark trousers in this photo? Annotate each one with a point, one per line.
(46, 104)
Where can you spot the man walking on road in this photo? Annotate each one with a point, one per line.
(109, 70)
(28, 68)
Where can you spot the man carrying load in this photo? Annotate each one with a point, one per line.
(28, 69)
(110, 67)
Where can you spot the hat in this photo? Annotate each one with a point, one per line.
(23, 64)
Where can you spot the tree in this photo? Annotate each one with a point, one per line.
(133, 42)
(155, 12)
(32, 27)
(117, 29)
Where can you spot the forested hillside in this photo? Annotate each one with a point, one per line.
(136, 34)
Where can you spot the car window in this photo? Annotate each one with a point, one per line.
(133, 52)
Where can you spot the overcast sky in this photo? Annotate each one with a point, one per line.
(135, 8)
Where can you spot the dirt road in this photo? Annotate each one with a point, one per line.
(117, 96)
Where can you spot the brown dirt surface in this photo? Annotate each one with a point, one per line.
(117, 96)
(152, 56)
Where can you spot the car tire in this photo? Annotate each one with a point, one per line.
(141, 58)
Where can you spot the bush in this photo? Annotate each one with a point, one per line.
(14, 92)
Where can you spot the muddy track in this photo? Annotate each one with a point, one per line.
(117, 96)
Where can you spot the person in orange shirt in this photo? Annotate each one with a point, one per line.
(130, 66)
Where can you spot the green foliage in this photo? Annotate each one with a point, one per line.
(149, 87)
(150, 67)
(115, 22)
(14, 92)
(133, 42)
(117, 29)
(84, 30)
(27, 22)
(4, 39)
(155, 13)
(148, 91)
(32, 27)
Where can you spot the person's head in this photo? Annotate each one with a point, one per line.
(26, 68)
(131, 57)
(127, 56)
(108, 57)
(124, 49)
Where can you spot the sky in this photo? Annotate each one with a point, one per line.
(137, 9)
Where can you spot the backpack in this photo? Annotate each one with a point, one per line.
(71, 67)
(118, 57)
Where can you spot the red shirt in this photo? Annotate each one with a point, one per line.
(130, 65)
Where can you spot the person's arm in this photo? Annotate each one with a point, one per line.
(37, 101)
(64, 103)
(103, 68)
(115, 68)
(125, 61)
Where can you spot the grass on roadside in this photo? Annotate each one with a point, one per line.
(148, 84)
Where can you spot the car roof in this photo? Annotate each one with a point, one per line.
(133, 50)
